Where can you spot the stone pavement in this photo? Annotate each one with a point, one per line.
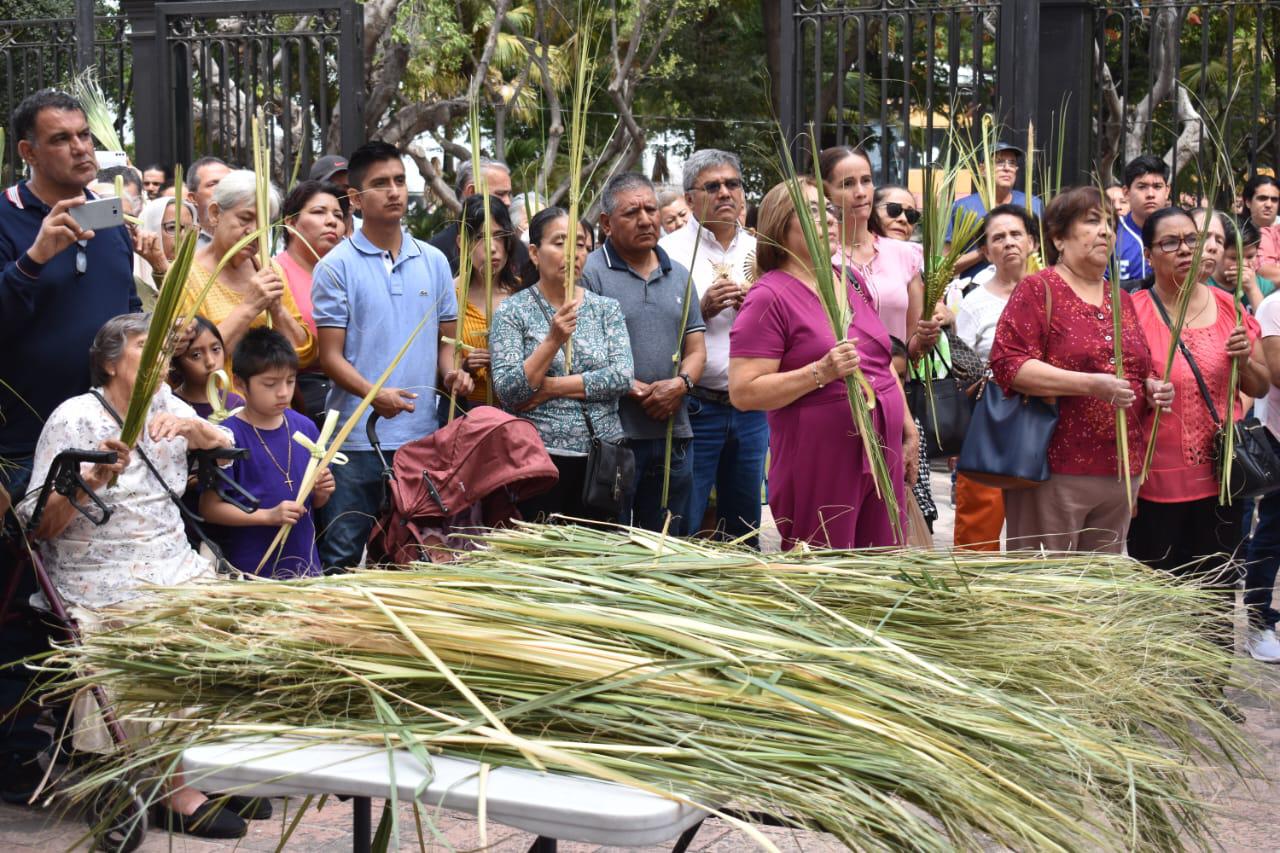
(1244, 807)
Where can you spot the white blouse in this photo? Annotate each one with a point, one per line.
(143, 543)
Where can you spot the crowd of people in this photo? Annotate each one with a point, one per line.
(700, 344)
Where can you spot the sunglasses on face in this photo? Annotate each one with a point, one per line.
(893, 210)
(732, 185)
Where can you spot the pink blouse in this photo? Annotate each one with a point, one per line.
(1182, 468)
(888, 277)
(299, 283)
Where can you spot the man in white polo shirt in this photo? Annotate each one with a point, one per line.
(729, 446)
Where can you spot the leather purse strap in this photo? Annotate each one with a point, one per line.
(537, 299)
(1191, 362)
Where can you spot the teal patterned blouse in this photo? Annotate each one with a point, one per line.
(601, 353)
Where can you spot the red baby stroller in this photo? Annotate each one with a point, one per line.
(466, 476)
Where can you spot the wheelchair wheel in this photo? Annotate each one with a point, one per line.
(119, 817)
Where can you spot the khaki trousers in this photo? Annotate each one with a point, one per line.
(1069, 513)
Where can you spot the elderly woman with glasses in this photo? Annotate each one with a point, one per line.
(1179, 526)
(155, 239)
(246, 293)
(493, 279)
(141, 546)
(1055, 339)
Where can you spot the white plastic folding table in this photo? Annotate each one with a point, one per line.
(554, 806)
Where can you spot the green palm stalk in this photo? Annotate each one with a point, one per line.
(262, 194)
(583, 91)
(1122, 415)
(689, 296)
(163, 333)
(1177, 322)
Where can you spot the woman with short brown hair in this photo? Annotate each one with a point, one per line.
(1055, 339)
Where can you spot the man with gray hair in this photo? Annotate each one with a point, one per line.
(497, 183)
(729, 446)
(656, 296)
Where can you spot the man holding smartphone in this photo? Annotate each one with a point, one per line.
(58, 284)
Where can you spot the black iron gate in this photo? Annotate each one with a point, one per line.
(187, 77)
(1161, 76)
(297, 63)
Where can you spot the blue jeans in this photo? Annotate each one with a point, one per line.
(729, 449)
(347, 519)
(646, 508)
(1263, 559)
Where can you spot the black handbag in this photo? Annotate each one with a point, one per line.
(611, 465)
(965, 364)
(611, 473)
(944, 416)
(1255, 468)
(1008, 441)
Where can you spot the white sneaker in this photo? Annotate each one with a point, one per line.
(1263, 645)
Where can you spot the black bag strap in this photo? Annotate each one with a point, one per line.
(537, 299)
(1191, 362)
(183, 510)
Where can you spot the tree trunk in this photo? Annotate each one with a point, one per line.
(771, 12)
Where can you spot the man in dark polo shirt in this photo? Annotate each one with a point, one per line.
(58, 285)
(652, 289)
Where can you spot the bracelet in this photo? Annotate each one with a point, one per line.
(813, 366)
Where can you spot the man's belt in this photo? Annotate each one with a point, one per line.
(711, 396)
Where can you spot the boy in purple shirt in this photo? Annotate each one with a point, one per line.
(266, 370)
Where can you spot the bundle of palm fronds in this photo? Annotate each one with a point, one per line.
(163, 334)
(85, 89)
(894, 699)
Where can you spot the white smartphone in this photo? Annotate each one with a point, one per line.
(99, 213)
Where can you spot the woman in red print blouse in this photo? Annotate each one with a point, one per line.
(1060, 345)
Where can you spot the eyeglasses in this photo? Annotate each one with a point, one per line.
(732, 185)
(1012, 165)
(1171, 244)
(893, 210)
(169, 228)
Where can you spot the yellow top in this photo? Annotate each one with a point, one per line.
(222, 300)
(475, 333)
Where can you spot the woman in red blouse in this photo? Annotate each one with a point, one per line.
(1060, 345)
(1179, 526)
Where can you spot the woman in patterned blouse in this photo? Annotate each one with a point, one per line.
(142, 545)
(1054, 339)
(527, 342)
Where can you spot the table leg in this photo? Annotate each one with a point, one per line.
(361, 824)
(686, 838)
(543, 845)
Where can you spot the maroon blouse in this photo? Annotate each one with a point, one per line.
(1079, 339)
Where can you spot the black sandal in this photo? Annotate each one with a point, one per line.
(209, 820)
(249, 808)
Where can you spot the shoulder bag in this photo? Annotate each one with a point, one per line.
(1007, 445)
(944, 416)
(1255, 468)
(611, 465)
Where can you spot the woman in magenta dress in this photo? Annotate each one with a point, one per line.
(784, 359)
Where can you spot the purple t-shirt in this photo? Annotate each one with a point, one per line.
(262, 475)
(204, 408)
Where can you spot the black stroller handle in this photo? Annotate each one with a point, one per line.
(64, 478)
(211, 475)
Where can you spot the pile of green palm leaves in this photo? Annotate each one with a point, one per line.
(898, 700)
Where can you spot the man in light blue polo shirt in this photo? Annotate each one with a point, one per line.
(369, 294)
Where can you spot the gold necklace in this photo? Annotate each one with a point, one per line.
(288, 481)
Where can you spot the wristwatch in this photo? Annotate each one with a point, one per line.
(688, 383)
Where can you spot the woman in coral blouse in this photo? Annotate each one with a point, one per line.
(1179, 526)
(1055, 339)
